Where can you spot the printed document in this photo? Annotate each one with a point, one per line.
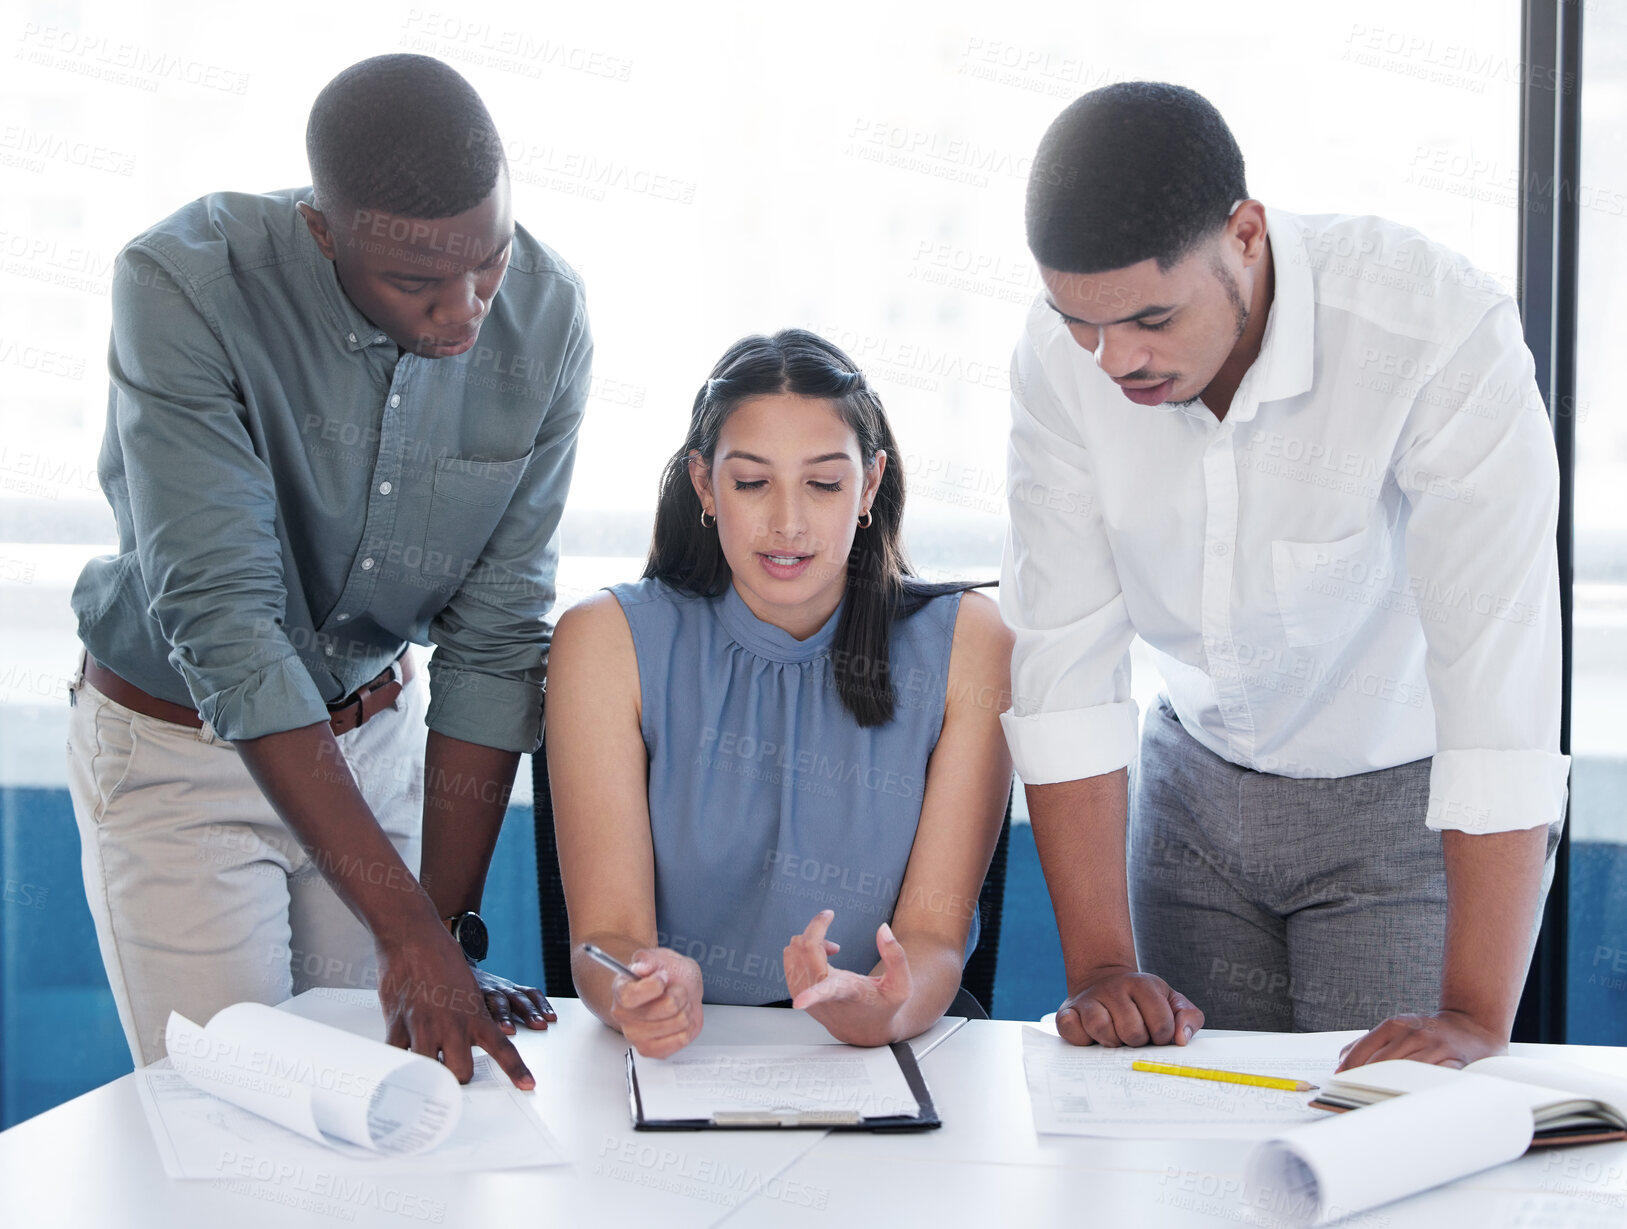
(1089, 1090)
(700, 1081)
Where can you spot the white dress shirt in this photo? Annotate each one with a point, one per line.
(1354, 569)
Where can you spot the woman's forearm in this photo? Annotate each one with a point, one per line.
(593, 979)
(935, 970)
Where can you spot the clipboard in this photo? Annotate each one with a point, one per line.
(925, 1119)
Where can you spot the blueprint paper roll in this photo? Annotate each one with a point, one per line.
(318, 1080)
(1364, 1158)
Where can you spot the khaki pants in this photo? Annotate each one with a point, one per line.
(201, 896)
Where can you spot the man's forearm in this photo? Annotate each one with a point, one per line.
(1493, 884)
(305, 777)
(1079, 833)
(466, 792)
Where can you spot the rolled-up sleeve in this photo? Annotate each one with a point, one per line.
(1482, 480)
(1071, 715)
(203, 508)
(491, 639)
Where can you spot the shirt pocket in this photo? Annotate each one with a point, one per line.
(468, 500)
(1326, 590)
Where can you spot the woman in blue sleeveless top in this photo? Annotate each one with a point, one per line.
(777, 764)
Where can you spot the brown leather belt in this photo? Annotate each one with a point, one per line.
(366, 701)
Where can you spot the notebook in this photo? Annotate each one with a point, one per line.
(1569, 1104)
(1418, 1126)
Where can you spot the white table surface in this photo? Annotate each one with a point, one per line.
(92, 1161)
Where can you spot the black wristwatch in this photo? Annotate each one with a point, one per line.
(470, 931)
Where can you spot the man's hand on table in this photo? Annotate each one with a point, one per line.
(1493, 895)
(1448, 1038)
(1118, 1006)
(434, 1006)
(506, 999)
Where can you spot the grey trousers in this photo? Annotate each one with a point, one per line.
(1280, 903)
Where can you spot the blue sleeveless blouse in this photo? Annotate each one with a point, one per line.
(768, 801)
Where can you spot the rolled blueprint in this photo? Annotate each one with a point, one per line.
(329, 1085)
(1363, 1158)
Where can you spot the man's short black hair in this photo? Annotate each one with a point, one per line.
(402, 134)
(1138, 170)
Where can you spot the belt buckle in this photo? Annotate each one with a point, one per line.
(366, 713)
(358, 700)
(342, 715)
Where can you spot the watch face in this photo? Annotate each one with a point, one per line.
(470, 932)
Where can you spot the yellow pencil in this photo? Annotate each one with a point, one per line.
(1225, 1077)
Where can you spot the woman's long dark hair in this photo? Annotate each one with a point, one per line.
(880, 584)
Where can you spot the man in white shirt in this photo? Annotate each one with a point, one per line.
(1305, 459)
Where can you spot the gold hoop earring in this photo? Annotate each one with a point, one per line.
(866, 519)
(705, 524)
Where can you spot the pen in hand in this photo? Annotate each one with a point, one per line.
(609, 961)
(658, 1011)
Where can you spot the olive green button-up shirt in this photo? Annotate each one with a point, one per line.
(297, 499)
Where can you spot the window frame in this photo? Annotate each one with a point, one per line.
(1549, 222)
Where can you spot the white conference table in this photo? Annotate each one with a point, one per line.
(92, 1161)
